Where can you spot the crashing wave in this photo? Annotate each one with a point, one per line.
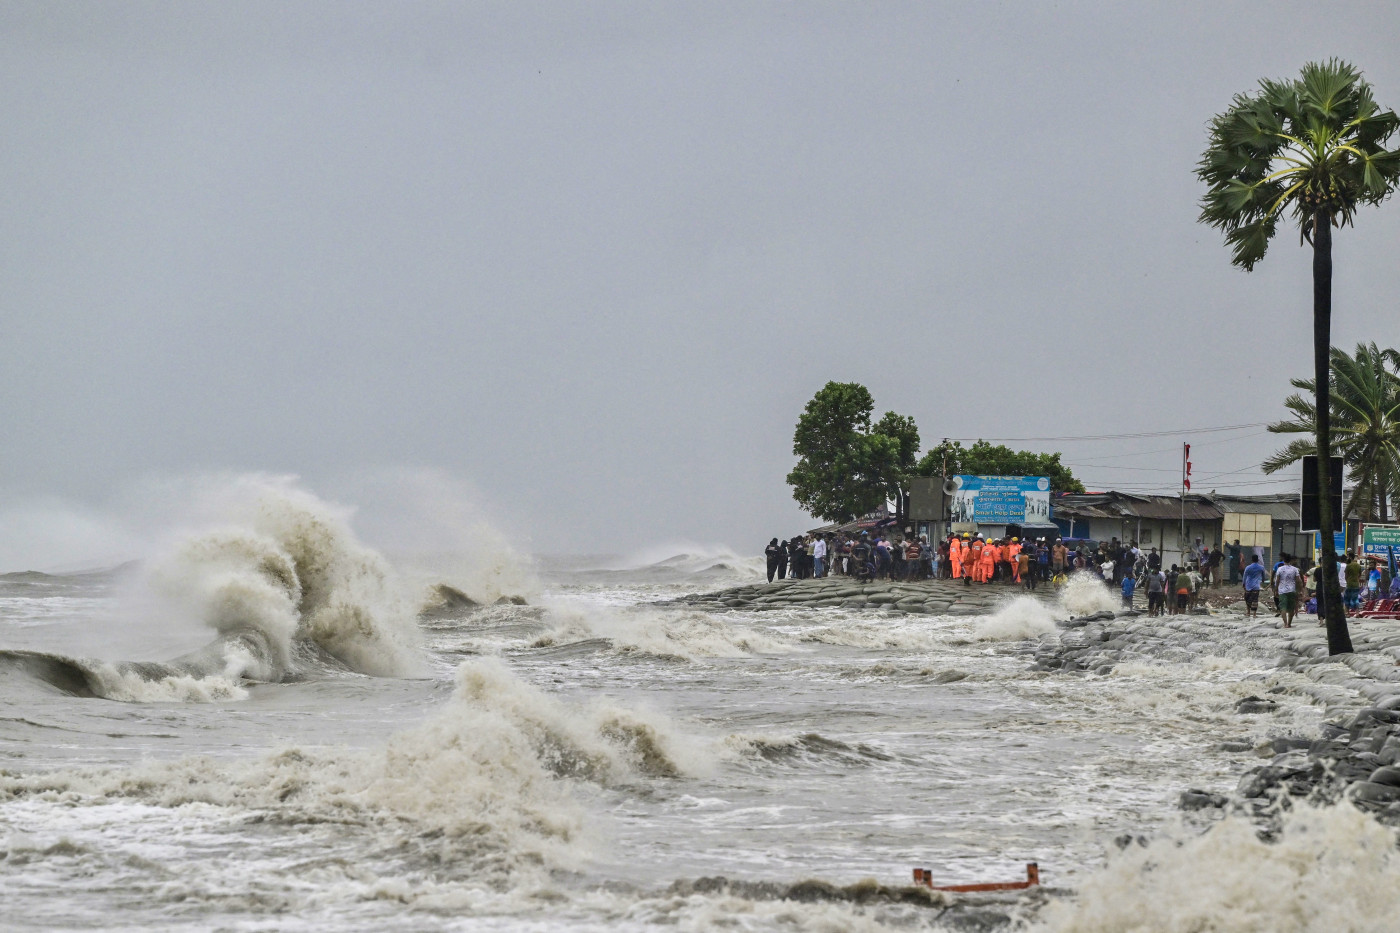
(289, 591)
(490, 774)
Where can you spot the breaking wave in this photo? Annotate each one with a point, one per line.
(135, 682)
(293, 576)
(285, 586)
(490, 772)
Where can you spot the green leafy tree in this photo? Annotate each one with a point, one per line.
(1315, 147)
(1365, 426)
(984, 459)
(846, 467)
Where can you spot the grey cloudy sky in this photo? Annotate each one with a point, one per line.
(588, 261)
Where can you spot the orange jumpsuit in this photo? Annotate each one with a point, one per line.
(975, 571)
(1013, 552)
(989, 562)
(955, 556)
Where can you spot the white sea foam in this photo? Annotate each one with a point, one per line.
(666, 632)
(1085, 593)
(129, 686)
(1332, 869)
(1022, 617)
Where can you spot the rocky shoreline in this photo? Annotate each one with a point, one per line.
(1356, 754)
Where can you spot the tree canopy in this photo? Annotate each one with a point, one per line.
(986, 459)
(847, 468)
(1365, 426)
(1315, 145)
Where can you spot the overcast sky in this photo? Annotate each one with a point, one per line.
(585, 263)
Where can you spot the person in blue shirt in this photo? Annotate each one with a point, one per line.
(1253, 582)
(1128, 584)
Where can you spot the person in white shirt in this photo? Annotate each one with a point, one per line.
(1286, 586)
(819, 558)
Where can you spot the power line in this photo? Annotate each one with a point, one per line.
(1252, 468)
(1115, 437)
(1177, 449)
(1175, 487)
(1110, 466)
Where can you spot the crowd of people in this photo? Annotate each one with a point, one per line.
(1123, 566)
(864, 555)
(968, 557)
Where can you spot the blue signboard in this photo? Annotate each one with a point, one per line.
(1339, 541)
(1001, 500)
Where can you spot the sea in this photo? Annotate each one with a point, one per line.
(269, 724)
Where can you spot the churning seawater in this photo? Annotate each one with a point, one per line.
(333, 741)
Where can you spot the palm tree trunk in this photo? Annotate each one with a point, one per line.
(1338, 638)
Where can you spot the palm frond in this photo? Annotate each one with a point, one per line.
(1314, 147)
(1289, 455)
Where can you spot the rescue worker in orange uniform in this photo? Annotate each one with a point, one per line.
(975, 558)
(989, 562)
(955, 555)
(1013, 552)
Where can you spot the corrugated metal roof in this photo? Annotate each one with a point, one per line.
(1124, 505)
(1280, 507)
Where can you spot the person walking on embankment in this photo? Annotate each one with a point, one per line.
(1351, 577)
(1156, 591)
(1183, 591)
(1253, 583)
(1286, 586)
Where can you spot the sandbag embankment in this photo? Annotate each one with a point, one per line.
(921, 597)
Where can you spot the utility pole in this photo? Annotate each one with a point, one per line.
(947, 509)
(1185, 488)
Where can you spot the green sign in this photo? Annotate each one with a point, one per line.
(1379, 539)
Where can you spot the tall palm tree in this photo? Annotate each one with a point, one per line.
(1365, 419)
(1316, 146)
